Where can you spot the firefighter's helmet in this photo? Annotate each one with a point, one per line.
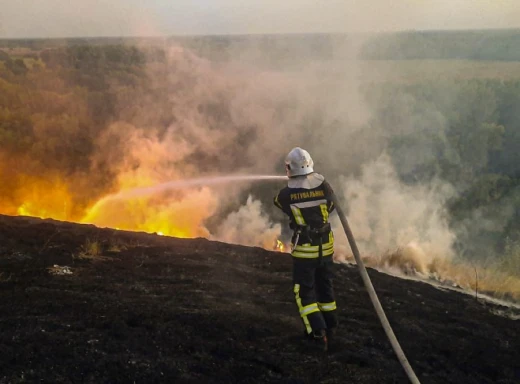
(298, 163)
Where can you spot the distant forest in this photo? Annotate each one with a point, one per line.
(493, 45)
(57, 95)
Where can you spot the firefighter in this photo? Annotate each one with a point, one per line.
(307, 200)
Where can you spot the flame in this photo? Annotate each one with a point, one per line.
(45, 199)
(280, 246)
(179, 215)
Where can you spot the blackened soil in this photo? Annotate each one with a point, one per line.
(151, 309)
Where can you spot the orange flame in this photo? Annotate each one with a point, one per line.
(178, 215)
(279, 246)
(44, 199)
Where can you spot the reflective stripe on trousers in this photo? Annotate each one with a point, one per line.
(304, 311)
(327, 307)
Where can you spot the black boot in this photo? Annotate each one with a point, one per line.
(319, 339)
(331, 338)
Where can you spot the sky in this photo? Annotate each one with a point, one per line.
(75, 18)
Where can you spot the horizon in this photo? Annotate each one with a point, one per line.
(232, 34)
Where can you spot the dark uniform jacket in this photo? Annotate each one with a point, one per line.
(307, 200)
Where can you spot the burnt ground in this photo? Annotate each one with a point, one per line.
(151, 309)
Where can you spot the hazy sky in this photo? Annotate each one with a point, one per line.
(64, 18)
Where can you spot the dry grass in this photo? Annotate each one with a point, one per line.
(91, 250)
(496, 279)
(118, 245)
(487, 278)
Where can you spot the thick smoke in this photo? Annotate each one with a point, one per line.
(237, 116)
(224, 119)
(388, 215)
(249, 225)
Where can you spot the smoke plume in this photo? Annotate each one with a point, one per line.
(388, 215)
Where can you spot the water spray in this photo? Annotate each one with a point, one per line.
(373, 296)
(182, 184)
(147, 191)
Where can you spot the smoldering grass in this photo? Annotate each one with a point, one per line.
(91, 250)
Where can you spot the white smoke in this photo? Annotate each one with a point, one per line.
(255, 116)
(390, 218)
(249, 225)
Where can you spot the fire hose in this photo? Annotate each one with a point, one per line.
(373, 296)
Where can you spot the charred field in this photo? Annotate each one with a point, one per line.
(135, 307)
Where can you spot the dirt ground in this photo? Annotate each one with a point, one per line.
(139, 308)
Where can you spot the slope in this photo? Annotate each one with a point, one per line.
(135, 307)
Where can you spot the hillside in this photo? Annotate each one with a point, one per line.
(135, 307)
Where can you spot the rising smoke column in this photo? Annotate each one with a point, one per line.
(388, 216)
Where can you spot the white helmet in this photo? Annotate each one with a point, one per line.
(298, 163)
